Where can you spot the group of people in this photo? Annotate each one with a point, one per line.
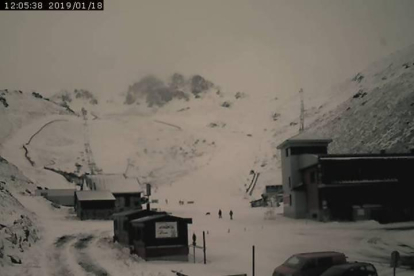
(220, 214)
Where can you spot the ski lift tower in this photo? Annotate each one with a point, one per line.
(302, 112)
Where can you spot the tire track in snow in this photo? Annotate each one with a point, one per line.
(58, 263)
(84, 260)
(73, 247)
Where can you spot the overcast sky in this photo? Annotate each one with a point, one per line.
(255, 46)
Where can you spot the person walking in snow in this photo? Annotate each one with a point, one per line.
(231, 214)
(219, 213)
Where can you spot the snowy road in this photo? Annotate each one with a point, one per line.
(69, 251)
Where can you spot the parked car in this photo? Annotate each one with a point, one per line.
(351, 269)
(309, 264)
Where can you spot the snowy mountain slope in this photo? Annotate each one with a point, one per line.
(379, 112)
(18, 229)
(78, 100)
(18, 108)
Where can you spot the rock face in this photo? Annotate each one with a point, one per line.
(17, 230)
(200, 85)
(155, 93)
(66, 98)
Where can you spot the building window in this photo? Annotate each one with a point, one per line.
(290, 200)
(287, 152)
(127, 201)
(308, 150)
(290, 183)
(313, 177)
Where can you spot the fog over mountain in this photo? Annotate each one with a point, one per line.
(259, 47)
(193, 98)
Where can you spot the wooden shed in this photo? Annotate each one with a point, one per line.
(94, 204)
(161, 236)
(122, 229)
(127, 191)
(64, 197)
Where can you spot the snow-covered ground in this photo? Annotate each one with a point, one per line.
(193, 150)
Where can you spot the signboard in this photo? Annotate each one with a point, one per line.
(395, 257)
(166, 230)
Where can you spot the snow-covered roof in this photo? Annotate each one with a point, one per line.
(136, 211)
(128, 212)
(94, 195)
(305, 137)
(115, 183)
(57, 192)
(155, 217)
(364, 157)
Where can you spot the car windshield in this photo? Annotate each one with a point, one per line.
(334, 271)
(294, 262)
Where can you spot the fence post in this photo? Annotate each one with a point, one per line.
(194, 245)
(204, 246)
(253, 261)
(395, 258)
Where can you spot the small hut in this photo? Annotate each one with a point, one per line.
(94, 204)
(161, 236)
(122, 229)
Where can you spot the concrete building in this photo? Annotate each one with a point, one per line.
(345, 187)
(298, 152)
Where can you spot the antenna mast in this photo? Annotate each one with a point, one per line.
(302, 112)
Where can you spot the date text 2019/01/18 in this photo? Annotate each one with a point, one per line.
(41, 5)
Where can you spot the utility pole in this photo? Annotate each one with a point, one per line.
(204, 247)
(194, 245)
(302, 112)
(253, 262)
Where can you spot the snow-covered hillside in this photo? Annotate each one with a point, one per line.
(378, 111)
(18, 108)
(200, 145)
(18, 230)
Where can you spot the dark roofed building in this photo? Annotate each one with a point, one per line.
(161, 236)
(122, 227)
(347, 186)
(94, 204)
(127, 191)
